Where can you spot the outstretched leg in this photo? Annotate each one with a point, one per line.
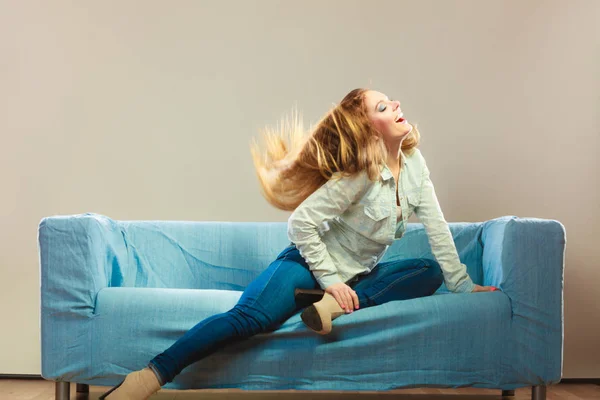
(267, 302)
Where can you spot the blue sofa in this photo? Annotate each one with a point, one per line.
(116, 293)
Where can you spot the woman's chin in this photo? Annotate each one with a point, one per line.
(406, 130)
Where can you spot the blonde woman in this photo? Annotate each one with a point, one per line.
(351, 183)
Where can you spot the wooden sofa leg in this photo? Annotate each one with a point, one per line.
(538, 392)
(506, 393)
(83, 388)
(62, 390)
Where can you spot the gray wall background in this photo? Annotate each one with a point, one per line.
(144, 110)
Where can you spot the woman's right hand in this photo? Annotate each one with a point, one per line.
(345, 296)
(479, 288)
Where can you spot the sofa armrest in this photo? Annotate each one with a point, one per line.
(79, 255)
(524, 257)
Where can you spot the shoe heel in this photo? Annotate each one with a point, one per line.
(306, 297)
(110, 391)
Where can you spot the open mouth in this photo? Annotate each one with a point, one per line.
(399, 119)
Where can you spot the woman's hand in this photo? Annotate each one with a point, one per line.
(484, 288)
(345, 296)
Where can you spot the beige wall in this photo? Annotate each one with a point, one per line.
(143, 110)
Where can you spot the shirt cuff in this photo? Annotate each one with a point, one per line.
(466, 287)
(327, 280)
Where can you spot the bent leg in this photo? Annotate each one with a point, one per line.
(399, 280)
(267, 302)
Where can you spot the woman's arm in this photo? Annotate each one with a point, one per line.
(325, 203)
(440, 238)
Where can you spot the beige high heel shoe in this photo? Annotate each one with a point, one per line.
(138, 385)
(318, 317)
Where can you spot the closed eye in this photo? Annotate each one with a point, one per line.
(383, 107)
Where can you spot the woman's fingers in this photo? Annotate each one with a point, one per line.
(356, 302)
(347, 301)
(345, 296)
(352, 300)
(338, 296)
(479, 288)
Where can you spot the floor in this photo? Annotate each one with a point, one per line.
(39, 389)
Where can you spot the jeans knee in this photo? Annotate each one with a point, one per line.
(434, 269)
(246, 322)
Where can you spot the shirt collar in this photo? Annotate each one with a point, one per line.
(385, 171)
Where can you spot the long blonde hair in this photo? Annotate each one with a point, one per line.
(296, 164)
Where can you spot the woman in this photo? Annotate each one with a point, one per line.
(350, 184)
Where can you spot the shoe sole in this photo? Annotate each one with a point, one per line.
(310, 317)
(110, 391)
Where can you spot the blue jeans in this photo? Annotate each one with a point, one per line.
(269, 300)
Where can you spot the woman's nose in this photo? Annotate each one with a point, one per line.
(396, 104)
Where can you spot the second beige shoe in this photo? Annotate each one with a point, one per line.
(138, 385)
(318, 317)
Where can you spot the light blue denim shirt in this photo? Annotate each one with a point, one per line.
(345, 227)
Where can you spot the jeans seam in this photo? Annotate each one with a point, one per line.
(154, 368)
(398, 280)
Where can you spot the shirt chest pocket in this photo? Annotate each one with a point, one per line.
(376, 211)
(375, 221)
(371, 218)
(413, 199)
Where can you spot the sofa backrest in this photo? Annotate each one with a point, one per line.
(87, 252)
(229, 255)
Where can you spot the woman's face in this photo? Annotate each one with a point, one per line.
(385, 114)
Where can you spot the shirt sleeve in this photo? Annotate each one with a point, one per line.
(440, 238)
(325, 203)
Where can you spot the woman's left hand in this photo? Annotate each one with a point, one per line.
(484, 288)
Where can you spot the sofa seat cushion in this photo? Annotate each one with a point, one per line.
(447, 339)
